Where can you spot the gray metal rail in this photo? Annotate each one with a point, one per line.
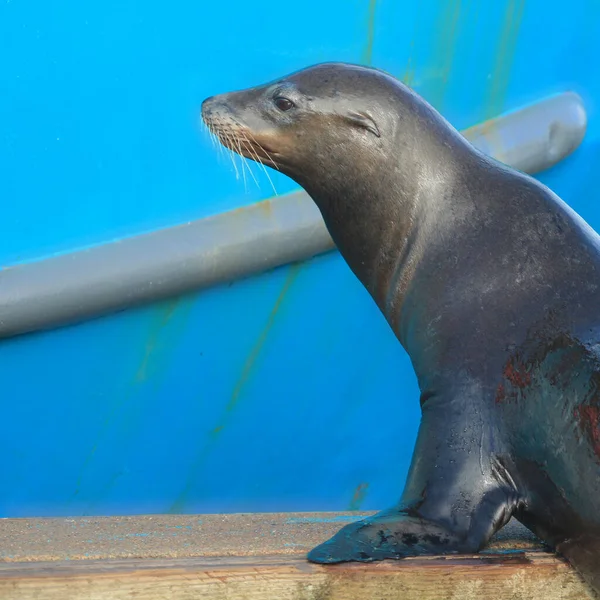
(117, 275)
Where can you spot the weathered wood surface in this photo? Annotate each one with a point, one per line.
(185, 536)
(256, 556)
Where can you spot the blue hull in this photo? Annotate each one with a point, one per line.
(283, 391)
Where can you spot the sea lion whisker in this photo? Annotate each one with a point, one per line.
(231, 155)
(245, 160)
(206, 128)
(216, 142)
(243, 167)
(248, 145)
(263, 149)
(252, 150)
(251, 147)
(212, 136)
(235, 140)
(249, 165)
(223, 148)
(216, 137)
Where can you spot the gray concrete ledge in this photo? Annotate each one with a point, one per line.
(145, 268)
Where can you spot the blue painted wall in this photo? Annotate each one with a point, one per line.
(282, 392)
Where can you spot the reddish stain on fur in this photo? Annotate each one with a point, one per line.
(517, 374)
(500, 394)
(516, 377)
(589, 420)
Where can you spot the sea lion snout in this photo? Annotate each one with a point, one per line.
(212, 108)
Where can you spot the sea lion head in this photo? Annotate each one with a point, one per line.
(303, 124)
(373, 156)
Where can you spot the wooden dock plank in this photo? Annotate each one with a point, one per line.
(182, 536)
(256, 556)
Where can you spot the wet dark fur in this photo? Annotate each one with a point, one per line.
(491, 284)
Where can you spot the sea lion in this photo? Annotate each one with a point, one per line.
(490, 282)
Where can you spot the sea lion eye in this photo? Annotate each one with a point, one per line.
(283, 103)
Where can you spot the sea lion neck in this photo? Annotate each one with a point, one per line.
(396, 203)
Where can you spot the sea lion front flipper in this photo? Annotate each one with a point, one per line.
(458, 494)
(386, 536)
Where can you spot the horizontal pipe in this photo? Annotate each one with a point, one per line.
(535, 137)
(153, 266)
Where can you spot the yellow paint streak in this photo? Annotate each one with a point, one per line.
(165, 313)
(368, 52)
(239, 386)
(266, 206)
(446, 48)
(262, 338)
(241, 212)
(409, 72)
(359, 496)
(408, 77)
(505, 54)
(449, 46)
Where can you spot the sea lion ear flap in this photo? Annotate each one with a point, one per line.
(361, 119)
